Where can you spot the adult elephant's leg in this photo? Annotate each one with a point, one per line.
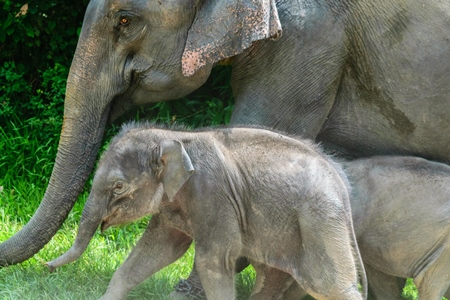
(272, 284)
(383, 286)
(192, 288)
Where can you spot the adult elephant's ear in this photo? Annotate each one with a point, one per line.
(224, 28)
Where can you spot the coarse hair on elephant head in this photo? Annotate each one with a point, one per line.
(131, 53)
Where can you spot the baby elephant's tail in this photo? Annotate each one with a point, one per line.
(356, 254)
(359, 262)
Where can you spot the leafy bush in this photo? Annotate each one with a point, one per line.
(43, 108)
(38, 34)
(29, 130)
(37, 42)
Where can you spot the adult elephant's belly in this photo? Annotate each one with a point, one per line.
(364, 123)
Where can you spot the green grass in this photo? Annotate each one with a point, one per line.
(88, 277)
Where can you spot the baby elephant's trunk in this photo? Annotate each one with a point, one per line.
(90, 220)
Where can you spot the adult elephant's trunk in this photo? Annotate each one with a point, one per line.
(79, 143)
(90, 220)
(86, 109)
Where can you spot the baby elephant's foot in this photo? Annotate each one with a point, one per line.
(186, 290)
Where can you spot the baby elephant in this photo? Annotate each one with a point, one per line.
(237, 192)
(401, 215)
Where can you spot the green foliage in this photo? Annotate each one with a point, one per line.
(29, 133)
(410, 290)
(40, 33)
(37, 41)
(43, 108)
(11, 84)
(25, 164)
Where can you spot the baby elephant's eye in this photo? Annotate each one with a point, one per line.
(118, 187)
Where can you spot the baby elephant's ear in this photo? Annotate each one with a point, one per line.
(176, 166)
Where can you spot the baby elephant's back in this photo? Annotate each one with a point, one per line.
(399, 203)
(395, 182)
(283, 167)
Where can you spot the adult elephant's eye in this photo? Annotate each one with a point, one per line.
(124, 21)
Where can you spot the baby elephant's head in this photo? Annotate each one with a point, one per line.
(131, 180)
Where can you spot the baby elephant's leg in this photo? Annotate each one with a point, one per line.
(158, 247)
(383, 286)
(433, 281)
(327, 265)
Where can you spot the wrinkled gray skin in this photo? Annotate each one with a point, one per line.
(364, 77)
(236, 192)
(401, 216)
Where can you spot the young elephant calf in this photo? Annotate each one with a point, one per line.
(236, 192)
(401, 215)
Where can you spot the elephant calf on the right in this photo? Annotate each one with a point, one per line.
(401, 217)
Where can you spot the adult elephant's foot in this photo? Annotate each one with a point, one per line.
(188, 289)
(191, 288)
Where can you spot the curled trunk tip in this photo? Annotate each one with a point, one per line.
(71, 255)
(88, 225)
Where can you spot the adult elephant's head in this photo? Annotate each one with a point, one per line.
(133, 52)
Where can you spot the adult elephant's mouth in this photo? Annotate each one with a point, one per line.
(123, 102)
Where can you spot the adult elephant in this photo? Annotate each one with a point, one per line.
(363, 76)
